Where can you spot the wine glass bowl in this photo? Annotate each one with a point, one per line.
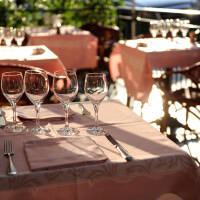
(36, 85)
(95, 89)
(65, 87)
(13, 88)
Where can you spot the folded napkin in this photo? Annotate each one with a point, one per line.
(46, 111)
(62, 152)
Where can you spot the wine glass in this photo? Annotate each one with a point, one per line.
(36, 85)
(183, 27)
(174, 28)
(164, 28)
(153, 28)
(8, 35)
(95, 89)
(13, 88)
(19, 36)
(65, 87)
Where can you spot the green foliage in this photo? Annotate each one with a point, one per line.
(18, 13)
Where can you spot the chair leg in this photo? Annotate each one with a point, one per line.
(128, 101)
(142, 106)
(186, 122)
(163, 127)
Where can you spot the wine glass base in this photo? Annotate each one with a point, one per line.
(15, 128)
(40, 130)
(95, 131)
(68, 131)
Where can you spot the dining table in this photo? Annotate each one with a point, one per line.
(133, 61)
(76, 48)
(158, 165)
(37, 56)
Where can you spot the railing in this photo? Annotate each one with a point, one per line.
(130, 17)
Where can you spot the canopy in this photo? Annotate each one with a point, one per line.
(179, 4)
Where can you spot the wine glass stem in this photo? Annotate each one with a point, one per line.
(96, 109)
(66, 108)
(37, 109)
(14, 112)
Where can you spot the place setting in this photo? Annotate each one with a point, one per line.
(48, 147)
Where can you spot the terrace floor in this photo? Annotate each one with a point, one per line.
(153, 110)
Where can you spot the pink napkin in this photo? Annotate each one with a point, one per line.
(46, 111)
(62, 152)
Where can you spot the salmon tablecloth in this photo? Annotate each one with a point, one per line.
(38, 56)
(133, 61)
(159, 166)
(75, 48)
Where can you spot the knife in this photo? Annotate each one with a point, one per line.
(2, 119)
(121, 150)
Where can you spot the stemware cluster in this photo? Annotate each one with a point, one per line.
(65, 86)
(35, 84)
(10, 34)
(174, 26)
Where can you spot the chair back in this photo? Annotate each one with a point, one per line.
(107, 37)
(177, 78)
(193, 73)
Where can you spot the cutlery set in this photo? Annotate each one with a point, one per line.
(8, 147)
(8, 152)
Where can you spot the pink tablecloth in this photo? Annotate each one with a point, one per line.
(133, 61)
(76, 49)
(27, 55)
(159, 166)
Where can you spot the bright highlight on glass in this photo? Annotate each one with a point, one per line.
(13, 88)
(36, 88)
(65, 87)
(95, 89)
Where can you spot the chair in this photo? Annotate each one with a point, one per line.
(107, 37)
(180, 85)
(5, 67)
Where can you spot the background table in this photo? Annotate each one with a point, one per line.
(159, 165)
(75, 48)
(30, 55)
(133, 60)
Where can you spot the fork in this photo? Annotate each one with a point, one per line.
(8, 152)
(84, 111)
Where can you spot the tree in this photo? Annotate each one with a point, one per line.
(76, 12)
